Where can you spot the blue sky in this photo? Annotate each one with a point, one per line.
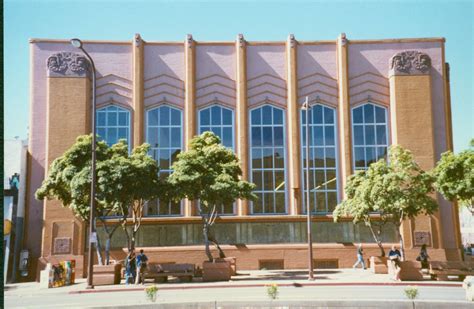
(223, 20)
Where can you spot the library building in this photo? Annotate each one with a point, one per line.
(364, 96)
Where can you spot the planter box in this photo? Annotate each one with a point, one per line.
(233, 264)
(107, 274)
(378, 265)
(216, 271)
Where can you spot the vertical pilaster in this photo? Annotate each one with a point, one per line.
(138, 90)
(293, 127)
(242, 116)
(189, 103)
(68, 115)
(344, 110)
(412, 127)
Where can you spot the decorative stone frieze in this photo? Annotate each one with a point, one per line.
(410, 62)
(67, 64)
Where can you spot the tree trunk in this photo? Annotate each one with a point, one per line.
(400, 238)
(97, 245)
(214, 241)
(107, 251)
(377, 239)
(205, 231)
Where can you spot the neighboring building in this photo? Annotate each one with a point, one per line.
(365, 96)
(14, 173)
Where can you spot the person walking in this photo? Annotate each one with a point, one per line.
(423, 257)
(142, 260)
(130, 267)
(394, 256)
(360, 257)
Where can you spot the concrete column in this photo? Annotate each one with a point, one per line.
(68, 116)
(189, 104)
(412, 127)
(242, 116)
(138, 90)
(294, 145)
(344, 111)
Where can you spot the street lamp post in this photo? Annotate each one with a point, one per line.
(78, 44)
(308, 210)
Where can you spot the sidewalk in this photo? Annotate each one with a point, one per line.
(336, 287)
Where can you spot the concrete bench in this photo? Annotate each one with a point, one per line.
(441, 270)
(161, 272)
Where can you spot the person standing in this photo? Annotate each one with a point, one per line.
(394, 256)
(423, 257)
(142, 260)
(360, 257)
(130, 267)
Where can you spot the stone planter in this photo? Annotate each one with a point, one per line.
(233, 264)
(216, 271)
(107, 274)
(378, 265)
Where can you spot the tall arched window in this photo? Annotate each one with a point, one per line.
(267, 151)
(219, 120)
(113, 123)
(369, 134)
(164, 134)
(322, 158)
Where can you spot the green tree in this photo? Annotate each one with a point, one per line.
(454, 174)
(69, 181)
(209, 172)
(397, 190)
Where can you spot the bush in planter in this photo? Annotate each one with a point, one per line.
(208, 172)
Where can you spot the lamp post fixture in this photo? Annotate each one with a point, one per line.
(308, 210)
(92, 236)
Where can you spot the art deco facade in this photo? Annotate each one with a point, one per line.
(364, 95)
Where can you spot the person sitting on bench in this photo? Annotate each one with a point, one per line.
(395, 256)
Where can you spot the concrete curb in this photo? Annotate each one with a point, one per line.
(352, 304)
(294, 284)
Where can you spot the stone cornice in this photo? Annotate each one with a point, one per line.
(68, 64)
(410, 62)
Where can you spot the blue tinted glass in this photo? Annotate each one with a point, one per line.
(227, 137)
(164, 159)
(370, 155)
(319, 157)
(358, 135)
(204, 129)
(381, 152)
(381, 135)
(318, 136)
(369, 135)
(215, 115)
(111, 136)
(267, 157)
(303, 117)
(101, 132)
(175, 117)
(123, 119)
(379, 114)
(205, 117)
(226, 117)
(267, 136)
(122, 133)
(359, 157)
(277, 116)
(256, 116)
(217, 131)
(164, 116)
(111, 119)
(328, 115)
(152, 137)
(256, 136)
(303, 136)
(175, 137)
(164, 140)
(357, 115)
(317, 114)
(278, 136)
(369, 113)
(101, 119)
(112, 108)
(329, 135)
(153, 117)
(267, 115)
(279, 157)
(330, 157)
(257, 158)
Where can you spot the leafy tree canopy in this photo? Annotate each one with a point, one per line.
(454, 176)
